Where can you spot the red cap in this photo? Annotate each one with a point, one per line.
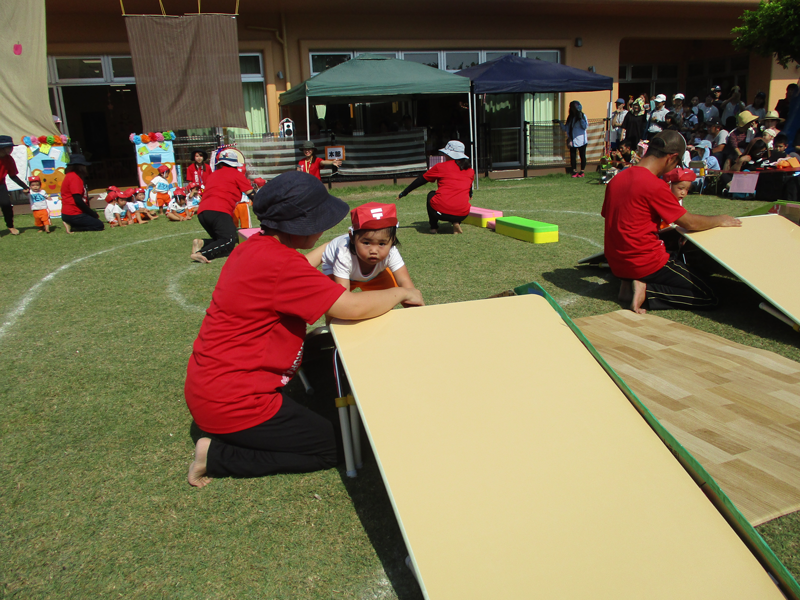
(112, 188)
(111, 196)
(138, 191)
(178, 192)
(34, 178)
(191, 186)
(163, 168)
(374, 215)
(127, 193)
(677, 175)
(259, 182)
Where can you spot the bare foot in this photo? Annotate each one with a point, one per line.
(457, 228)
(639, 290)
(13, 231)
(625, 290)
(434, 231)
(197, 257)
(41, 231)
(197, 245)
(197, 470)
(67, 228)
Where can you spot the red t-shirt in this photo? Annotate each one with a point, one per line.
(452, 195)
(635, 204)
(224, 189)
(72, 184)
(251, 340)
(7, 167)
(198, 176)
(312, 167)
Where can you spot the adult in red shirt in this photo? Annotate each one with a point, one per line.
(198, 172)
(311, 164)
(251, 341)
(8, 168)
(75, 211)
(224, 190)
(450, 202)
(636, 202)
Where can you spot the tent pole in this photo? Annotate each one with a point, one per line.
(471, 134)
(308, 119)
(477, 156)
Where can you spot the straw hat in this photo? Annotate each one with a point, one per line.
(744, 118)
(772, 114)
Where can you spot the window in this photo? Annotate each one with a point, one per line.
(623, 72)
(121, 67)
(500, 54)
(424, 58)
(88, 68)
(384, 54)
(553, 56)
(250, 64)
(667, 71)
(455, 61)
(322, 61)
(641, 72)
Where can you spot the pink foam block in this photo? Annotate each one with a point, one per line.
(485, 212)
(490, 225)
(246, 233)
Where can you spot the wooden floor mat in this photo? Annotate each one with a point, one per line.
(735, 408)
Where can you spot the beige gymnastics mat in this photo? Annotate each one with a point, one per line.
(735, 408)
(517, 468)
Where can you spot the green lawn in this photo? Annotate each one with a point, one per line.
(95, 333)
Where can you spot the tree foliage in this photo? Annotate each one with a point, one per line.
(773, 28)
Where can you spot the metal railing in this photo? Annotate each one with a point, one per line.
(548, 143)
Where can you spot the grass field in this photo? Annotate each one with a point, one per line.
(95, 334)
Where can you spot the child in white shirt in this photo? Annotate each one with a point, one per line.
(113, 211)
(367, 257)
(177, 209)
(41, 214)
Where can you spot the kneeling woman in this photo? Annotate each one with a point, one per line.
(450, 202)
(251, 341)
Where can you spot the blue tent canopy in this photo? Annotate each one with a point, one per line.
(512, 74)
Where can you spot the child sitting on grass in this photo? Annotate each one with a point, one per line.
(367, 257)
(193, 196)
(177, 209)
(141, 205)
(131, 210)
(113, 211)
(41, 214)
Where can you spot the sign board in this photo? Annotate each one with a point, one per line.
(334, 152)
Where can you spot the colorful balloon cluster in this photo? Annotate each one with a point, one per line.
(53, 140)
(146, 138)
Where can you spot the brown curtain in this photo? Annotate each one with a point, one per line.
(187, 71)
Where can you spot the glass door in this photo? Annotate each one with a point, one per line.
(502, 116)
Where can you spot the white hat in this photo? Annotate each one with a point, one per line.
(228, 157)
(679, 96)
(454, 149)
(660, 98)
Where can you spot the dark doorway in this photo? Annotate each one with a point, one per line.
(100, 118)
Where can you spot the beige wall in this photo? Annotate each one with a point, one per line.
(519, 25)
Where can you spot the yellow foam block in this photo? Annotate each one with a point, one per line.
(481, 217)
(527, 230)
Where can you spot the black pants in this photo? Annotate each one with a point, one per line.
(83, 222)
(220, 227)
(5, 205)
(434, 216)
(675, 285)
(295, 440)
(573, 152)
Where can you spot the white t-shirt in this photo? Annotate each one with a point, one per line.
(759, 112)
(38, 201)
(131, 207)
(709, 112)
(719, 139)
(175, 207)
(337, 261)
(112, 211)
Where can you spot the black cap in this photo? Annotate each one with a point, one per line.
(713, 121)
(298, 203)
(6, 141)
(668, 141)
(78, 159)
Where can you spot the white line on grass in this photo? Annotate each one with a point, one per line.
(31, 294)
(174, 293)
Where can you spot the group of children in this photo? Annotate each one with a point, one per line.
(135, 205)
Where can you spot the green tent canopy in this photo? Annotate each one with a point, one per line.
(371, 78)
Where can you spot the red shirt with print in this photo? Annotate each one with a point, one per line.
(224, 189)
(7, 167)
(311, 167)
(72, 184)
(635, 204)
(198, 175)
(251, 340)
(452, 195)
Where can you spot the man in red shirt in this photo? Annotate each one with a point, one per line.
(224, 189)
(8, 168)
(636, 202)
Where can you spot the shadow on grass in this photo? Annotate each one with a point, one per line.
(367, 491)
(738, 308)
